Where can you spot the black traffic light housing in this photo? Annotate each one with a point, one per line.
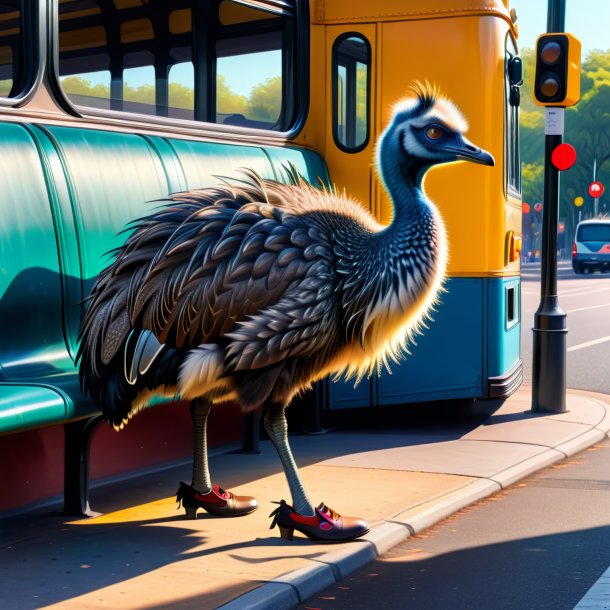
(557, 80)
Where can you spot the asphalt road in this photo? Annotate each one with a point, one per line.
(586, 299)
(539, 545)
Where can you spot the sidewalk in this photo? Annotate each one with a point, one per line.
(142, 553)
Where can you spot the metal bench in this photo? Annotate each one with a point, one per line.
(67, 193)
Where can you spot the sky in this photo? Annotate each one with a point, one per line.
(588, 20)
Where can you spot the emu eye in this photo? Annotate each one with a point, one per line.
(434, 133)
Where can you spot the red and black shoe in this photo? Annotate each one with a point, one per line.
(216, 502)
(325, 526)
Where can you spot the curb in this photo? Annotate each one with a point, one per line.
(293, 588)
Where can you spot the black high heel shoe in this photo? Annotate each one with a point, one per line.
(216, 502)
(325, 526)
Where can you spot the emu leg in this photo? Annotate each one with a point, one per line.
(200, 410)
(277, 428)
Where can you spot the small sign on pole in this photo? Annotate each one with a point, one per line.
(596, 190)
(554, 121)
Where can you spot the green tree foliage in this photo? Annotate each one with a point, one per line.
(144, 94)
(532, 174)
(587, 128)
(181, 96)
(74, 85)
(5, 87)
(265, 101)
(229, 102)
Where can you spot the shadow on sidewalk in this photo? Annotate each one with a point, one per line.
(75, 558)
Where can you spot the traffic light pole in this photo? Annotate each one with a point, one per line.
(550, 321)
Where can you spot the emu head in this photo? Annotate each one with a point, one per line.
(426, 129)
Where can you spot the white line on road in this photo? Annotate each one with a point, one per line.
(591, 307)
(565, 293)
(598, 596)
(588, 344)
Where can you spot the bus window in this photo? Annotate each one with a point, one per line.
(263, 101)
(221, 61)
(512, 82)
(181, 85)
(15, 72)
(89, 89)
(139, 88)
(351, 84)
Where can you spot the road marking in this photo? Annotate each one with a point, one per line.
(565, 293)
(598, 596)
(591, 307)
(588, 344)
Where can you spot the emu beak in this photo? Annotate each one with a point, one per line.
(467, 151)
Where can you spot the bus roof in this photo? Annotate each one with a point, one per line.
(348, 11)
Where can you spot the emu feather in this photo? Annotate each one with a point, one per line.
(254, 289)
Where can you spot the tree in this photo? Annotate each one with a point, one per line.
(227, 101)
(265, 103)
(587, 128)
(74, 85)
(181, 96)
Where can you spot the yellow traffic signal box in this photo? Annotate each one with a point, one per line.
(557, 80)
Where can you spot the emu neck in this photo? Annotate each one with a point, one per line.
(402, 176)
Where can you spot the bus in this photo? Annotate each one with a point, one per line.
(106, 106)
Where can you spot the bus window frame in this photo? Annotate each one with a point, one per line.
(335, 92)
(509, 146)
(296, 56)
(33, 26)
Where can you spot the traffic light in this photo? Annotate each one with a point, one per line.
(557, 80)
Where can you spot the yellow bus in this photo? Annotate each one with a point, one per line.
(106, 106)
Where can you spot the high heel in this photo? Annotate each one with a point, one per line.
(287, 533)
(217, 502)
(325, 526)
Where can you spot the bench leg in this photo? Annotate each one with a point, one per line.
(252, 427)
(78, 435)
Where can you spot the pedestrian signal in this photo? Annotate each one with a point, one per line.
(557, 80)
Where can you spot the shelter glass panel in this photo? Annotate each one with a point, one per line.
(16, 57)
(221, 61)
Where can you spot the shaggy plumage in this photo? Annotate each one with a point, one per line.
(253, 290)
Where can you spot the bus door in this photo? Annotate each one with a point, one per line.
(351, 131)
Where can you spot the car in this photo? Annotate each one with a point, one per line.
(591, 247)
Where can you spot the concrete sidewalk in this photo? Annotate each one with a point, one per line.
(143, 553)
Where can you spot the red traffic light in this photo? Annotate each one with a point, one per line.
(563, 156)
(596, 189)
(525, 208)
(550, 52)
(538, 207)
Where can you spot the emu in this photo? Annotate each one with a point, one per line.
(254, 290)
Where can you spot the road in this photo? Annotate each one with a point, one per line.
(539, 545)
(586, 299)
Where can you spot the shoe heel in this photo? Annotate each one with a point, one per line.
(286, 532)
(191, 512)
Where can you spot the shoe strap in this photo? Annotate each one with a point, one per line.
(328, 512)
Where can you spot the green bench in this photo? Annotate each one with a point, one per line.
(67, 192)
